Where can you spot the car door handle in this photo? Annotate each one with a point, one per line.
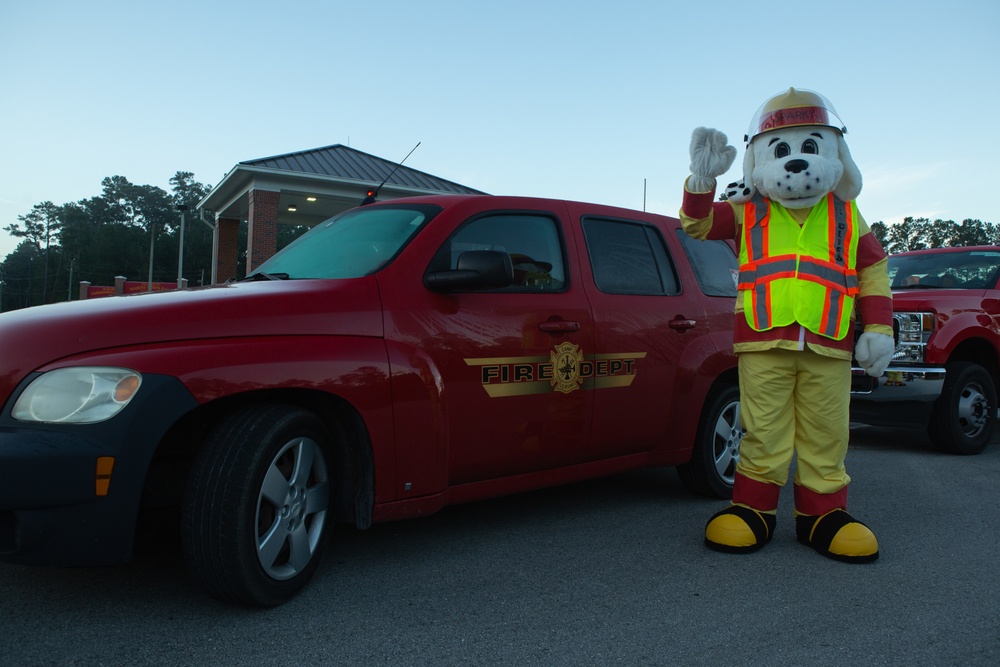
(559, 326)
(681, 324)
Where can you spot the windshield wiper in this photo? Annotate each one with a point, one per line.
(260, 275)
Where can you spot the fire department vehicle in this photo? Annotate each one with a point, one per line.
(946, 367)
(399, 357)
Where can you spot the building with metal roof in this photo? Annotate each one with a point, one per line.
(301, 188)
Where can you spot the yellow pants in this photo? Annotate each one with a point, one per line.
(793, 402)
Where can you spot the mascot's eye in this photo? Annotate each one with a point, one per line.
(809, 146)
(782, 150)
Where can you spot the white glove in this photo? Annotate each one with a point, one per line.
(711, 156)
(873, 352)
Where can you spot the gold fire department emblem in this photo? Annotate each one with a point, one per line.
(565, 370)
(565, 359)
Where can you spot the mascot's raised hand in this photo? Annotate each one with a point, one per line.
(711, 157)
(874, 352)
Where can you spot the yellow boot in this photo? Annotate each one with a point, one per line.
(839, 536)
(739, 529)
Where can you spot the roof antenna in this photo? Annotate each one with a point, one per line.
(372, 194)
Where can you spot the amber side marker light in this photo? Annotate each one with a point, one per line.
(105, 464)
(126, 388)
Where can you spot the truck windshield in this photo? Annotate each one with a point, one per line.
(353, 244)
(972, 269)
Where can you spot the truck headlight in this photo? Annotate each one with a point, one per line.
(77, 395)
(912, 330)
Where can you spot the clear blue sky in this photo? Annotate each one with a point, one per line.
(579, 100)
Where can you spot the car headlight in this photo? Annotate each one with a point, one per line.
(77, 395)
(912, 330)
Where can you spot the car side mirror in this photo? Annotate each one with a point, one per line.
(475, 270)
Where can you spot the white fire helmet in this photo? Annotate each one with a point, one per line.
(795, 107)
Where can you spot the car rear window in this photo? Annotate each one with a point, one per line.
(714, 263)
(629, 258)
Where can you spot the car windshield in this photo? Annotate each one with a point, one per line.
(972, 269)
(353, 244)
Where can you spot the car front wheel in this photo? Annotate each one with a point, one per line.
(256, 508)
(964, 416)
(712, 467)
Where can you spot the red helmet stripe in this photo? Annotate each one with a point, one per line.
(794, 116)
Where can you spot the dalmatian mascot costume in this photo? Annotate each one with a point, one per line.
(808, 267)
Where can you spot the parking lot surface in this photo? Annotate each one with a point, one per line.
(607, 572)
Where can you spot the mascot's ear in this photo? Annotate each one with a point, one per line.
(849, 186)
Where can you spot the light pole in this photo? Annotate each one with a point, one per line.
(180, 254)
(152, 238)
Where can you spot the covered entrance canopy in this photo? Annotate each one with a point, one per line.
(302, 188)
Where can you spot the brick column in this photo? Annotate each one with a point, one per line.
(262, 227)
(228, 249)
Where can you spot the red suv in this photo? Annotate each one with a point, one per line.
(398, 358)
(945, 371)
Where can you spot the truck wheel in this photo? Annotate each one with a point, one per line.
(712, 467)
(963, 417)
(255, 509)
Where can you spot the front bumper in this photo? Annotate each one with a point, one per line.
(51, 509)
(898, 384)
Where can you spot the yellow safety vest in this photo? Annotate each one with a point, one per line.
(806, 274)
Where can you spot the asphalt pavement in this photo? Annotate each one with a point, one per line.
(606, 572)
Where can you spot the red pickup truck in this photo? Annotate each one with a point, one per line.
(945, 370)
(398, 358)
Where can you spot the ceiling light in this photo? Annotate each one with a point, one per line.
(292, 208)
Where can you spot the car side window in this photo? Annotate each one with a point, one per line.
(629, 258)
(533, 242)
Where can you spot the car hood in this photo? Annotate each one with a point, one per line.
(936, 299)
(33, 337)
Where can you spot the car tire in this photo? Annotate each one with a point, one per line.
(964, 416)
(712, 467)
(255, 516)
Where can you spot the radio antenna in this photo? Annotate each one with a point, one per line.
(372, 194)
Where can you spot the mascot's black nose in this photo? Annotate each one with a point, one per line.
(795, 166)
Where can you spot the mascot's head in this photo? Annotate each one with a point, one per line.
(796, 152)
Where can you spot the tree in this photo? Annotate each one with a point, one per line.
(919, 233)
(186, 190)
(907, 235)
(198, 236)
(975, 232)
(881, 232)
(98, 238)
(40, 225)
(941, 233)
